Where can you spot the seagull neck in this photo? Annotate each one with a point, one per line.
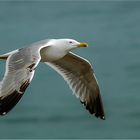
(51, 54)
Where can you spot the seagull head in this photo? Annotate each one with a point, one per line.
(67, 44)
(57, 48)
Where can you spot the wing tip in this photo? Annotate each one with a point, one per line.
(98, 115)
(102, 117)
(8, 102)
(95, 108)
(3, 113)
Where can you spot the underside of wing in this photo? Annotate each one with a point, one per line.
(80, 76)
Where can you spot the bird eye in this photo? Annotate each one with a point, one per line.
(70, 42)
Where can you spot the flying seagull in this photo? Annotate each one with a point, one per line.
(76, 71)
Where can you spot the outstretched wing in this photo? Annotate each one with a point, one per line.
(80, 76)
(20, 68)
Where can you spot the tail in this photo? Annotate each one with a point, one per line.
(5, 56)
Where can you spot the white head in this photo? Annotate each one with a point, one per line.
(57, 48)
(66, 44)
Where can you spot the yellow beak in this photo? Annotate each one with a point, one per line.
(82, 44)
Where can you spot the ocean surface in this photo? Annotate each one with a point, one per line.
(48, 109)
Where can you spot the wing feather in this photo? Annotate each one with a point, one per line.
(20, 68)
(79, 74)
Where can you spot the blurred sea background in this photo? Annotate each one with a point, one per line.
(48, 109)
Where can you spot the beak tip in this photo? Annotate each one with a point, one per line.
(83, 44)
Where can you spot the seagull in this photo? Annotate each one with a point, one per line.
(76, 71)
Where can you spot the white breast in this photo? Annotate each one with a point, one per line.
(52, 53)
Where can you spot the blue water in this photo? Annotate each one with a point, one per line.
(48, 109)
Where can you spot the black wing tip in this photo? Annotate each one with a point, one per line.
(95, 108)
(8, 102)
(3, 113)
(97, 114)
(102, 117)
(99, 108)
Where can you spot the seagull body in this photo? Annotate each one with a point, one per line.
(76, 71)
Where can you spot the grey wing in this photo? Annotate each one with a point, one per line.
(20, 68)
(80, 76)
